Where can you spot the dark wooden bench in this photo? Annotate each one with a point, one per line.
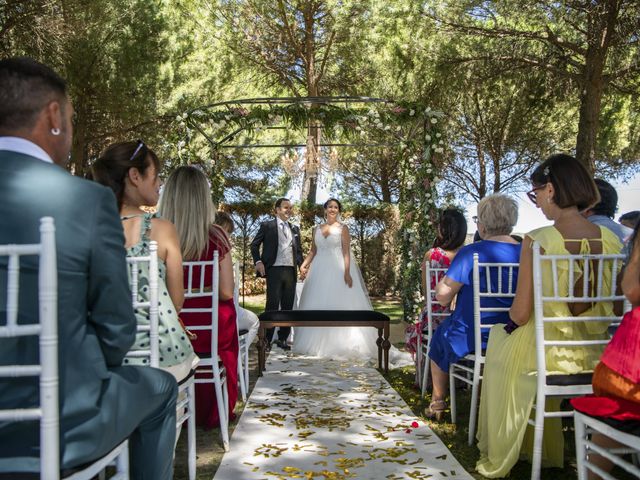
(325, 318)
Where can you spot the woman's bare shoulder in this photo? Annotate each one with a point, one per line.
(161, 227)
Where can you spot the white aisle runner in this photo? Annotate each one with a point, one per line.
(321, 419)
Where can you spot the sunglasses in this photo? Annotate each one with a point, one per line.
(140, 146)
(533, 196)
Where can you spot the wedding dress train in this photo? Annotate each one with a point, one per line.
(325, 289)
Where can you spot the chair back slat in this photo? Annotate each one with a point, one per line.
(13, 272)
(150, 303)
(47, 330)
(15, 371)
(508, 291)
(190, 269)
(236, 285)
(433, 275)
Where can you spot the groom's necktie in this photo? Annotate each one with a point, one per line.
(285, 231)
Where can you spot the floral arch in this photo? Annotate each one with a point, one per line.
(410, 128)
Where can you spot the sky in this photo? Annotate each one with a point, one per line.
(530, 217)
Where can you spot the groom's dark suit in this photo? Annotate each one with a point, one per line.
(101, 402)
(281, 280)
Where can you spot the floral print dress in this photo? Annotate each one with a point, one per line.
(176, 353)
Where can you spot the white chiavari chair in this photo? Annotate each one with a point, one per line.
(581, 268)
(210, 370)
(185, 407)
(243, 338)
(628, 444)
(434, 312)
(469, 369)
(47, 411)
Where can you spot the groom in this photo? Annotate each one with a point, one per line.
(281, 256)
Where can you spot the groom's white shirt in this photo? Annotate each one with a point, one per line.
(24, 146)
(284, 257)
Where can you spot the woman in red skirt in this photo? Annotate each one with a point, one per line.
(186, 201)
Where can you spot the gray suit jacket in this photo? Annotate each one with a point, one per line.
(96, 324)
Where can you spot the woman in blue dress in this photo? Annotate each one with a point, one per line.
(454, 338)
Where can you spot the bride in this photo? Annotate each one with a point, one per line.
(333, 282)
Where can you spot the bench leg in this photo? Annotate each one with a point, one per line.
(379, 343)
(261, 349)
(386, 344)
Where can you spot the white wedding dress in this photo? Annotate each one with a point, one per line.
(325, 289)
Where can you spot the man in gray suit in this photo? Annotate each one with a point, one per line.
(101, 402)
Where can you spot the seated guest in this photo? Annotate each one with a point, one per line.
(224, 221)
(602, 213)
(454, 338)
(616, 379)
(561, 188)
(247, 320)
(101, 402)
(630, 219)
(450, 236)
(131, 170)
(186, 202)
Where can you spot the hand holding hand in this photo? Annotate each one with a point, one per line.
(347, 279)
(304, 270)
(260, 269)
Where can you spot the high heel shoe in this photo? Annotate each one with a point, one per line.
(436, 410)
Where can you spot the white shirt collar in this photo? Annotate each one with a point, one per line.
(281, 222)
(24, 146)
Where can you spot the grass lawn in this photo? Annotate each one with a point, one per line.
(455, 437)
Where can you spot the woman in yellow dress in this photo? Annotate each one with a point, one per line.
(561, 188)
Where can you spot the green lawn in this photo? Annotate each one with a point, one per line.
(390, 306)
(455, 437)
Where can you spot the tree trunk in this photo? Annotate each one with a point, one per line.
(590, 106)
(497, 177)
(312, 167)
(482, 166)
(601, 32)
(78, 148)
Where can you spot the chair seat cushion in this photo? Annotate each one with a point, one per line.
(323, 315)
(568, 380)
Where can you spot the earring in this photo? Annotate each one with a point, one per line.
(55, 131)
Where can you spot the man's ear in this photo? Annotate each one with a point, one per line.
(54, 115)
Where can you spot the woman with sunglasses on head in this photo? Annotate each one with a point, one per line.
(561, 188)
(132, 170)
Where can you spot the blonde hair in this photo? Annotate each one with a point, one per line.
(498, 214)
(186, 202)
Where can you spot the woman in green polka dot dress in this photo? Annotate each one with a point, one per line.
(131, 170)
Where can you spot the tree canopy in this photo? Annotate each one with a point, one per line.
(514, 80)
